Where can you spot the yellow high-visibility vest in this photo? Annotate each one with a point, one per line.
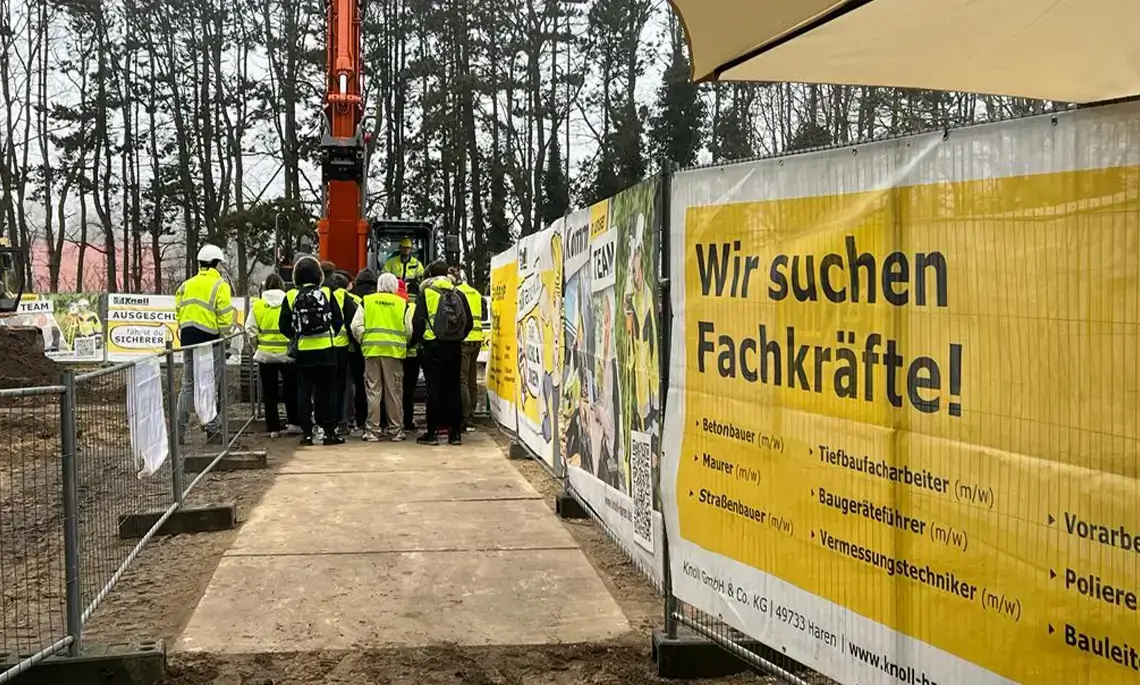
(341, 339)
(475, 301)
(384, 334)
(311, 343)
(431, 297)
(411, 270)
(203, 302)
(269, 336)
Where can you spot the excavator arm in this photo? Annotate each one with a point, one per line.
(342, 229)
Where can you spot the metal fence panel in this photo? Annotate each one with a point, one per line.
(73, 464)
(32, 570)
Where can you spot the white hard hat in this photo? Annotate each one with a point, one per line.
(211, 253)
(83, 302)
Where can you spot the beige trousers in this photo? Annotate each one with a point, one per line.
(384, 379)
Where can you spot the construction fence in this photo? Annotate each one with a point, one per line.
(90, 470)
(867, 411)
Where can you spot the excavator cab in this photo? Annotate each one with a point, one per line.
(385, 236)
(11, 277)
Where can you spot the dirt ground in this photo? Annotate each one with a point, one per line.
(156, 598)
(23, 364)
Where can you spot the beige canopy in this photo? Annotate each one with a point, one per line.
(1069, 50)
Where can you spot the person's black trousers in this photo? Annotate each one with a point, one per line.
(271, 398)
(316, 393)
(411, 380)
(442, 366)
(341, 384)
(360, 392)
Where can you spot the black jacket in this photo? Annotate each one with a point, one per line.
(304, 275)
(420, 317)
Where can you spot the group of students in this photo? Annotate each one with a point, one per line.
(348, 353)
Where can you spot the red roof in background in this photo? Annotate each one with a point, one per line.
(94, 268)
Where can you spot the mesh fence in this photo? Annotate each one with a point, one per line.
(77, 461)
(110, 486)
(32, 589)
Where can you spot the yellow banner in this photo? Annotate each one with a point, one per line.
(139, 325)
(920, 404)
(501, 366)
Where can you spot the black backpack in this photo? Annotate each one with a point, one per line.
(450, 324)
(312, 312)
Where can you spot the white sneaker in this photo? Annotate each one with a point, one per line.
(274, 434)
(399, 437)
(293, 430)
(371, 437)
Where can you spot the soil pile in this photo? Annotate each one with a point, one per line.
(22, 360)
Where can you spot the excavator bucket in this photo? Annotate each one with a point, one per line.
(12, 261)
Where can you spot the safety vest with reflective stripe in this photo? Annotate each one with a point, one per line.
(341, 340)
(269, 336)
(411, 270)
(384, 334)
(431, 298)
(413, 350)
(475, 301)
(311, 343)
(202, 302)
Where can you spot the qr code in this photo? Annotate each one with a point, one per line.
(641, 477)
(85, 348)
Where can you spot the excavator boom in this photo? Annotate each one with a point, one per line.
(342, 229)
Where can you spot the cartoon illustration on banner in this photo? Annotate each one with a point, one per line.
(539, 332)
(904, 429)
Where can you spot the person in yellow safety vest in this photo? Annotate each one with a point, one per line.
(311, 319)
(356, 399)
(469, 364)
(88, 320)
(379, 326)
(70, 326)
(412, 365)
(442, 358)
(271, 352)
(404, 265)
(205, 313)
(342, 344)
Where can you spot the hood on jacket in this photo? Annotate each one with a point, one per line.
(429, 282)
(307, 271)
(365, 283)
(274, 297)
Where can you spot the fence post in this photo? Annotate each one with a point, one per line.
(70, 481)
(664, 350)
(176, 466)
(223, 399)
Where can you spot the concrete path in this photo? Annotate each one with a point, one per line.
(394, 544)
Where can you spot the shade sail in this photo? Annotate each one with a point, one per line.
(1069, 50)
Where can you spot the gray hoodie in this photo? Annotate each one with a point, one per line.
(273, 298)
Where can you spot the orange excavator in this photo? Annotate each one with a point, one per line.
(342, 229)
(346, 236)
